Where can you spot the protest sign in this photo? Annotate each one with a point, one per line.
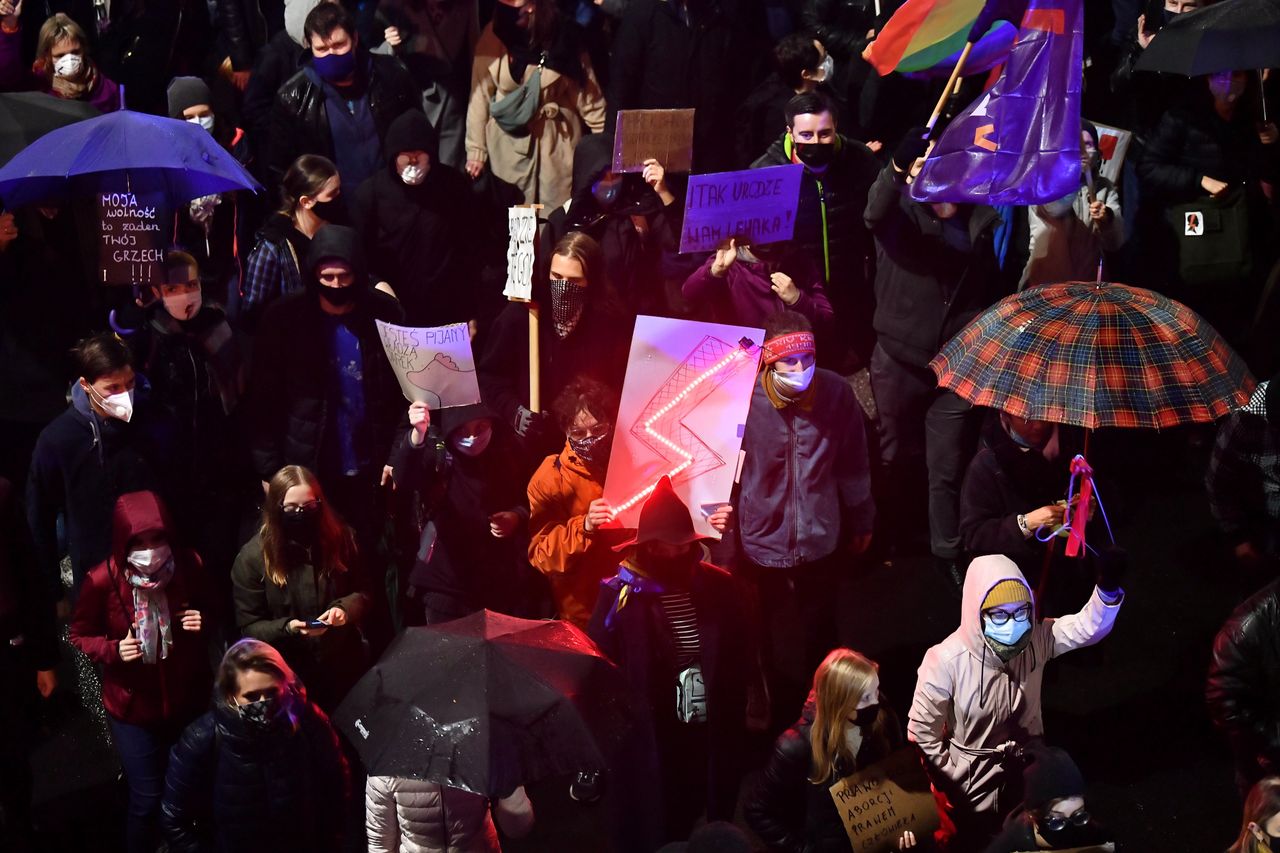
(433, 365)
(1096, 848)
(887, 799)
(664, 135)
(522, 225)
(1113, 144)
(131, 238)
(682, 414)
(755, 205)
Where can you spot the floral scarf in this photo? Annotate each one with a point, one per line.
(151, 611)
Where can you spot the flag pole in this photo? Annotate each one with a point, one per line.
(951, 85)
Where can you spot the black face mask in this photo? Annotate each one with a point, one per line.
(333, 211)
(259, 717)
(339, 296)
(864, 717)
(816, 155)
(302, 528)
(1166, 17)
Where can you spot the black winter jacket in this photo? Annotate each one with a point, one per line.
(1242, 692)
(279, 60)
(228, 790)
(1189, 144)
(244, 28)
(792, 814)
(300, 123)
(290, 388)
(927, 289)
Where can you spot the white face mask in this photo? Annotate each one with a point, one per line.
(204, 121)
(119, 406)
(182, 306)
(68, 65)
(473, 445)
(795, 383)
(826, 68)
(412, 175)
(148, 561)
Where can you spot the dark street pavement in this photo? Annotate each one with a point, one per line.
(1130, 711)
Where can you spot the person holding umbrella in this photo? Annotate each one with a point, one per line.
(674, 625)
(62, 67)
(261, 770)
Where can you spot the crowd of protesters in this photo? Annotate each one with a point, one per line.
(216, 483)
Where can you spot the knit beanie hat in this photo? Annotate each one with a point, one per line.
(1006, 592)
(1051, 775)
(186, 92)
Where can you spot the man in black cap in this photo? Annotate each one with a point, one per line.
(322, 393)
(674, 625)
(1053, 815)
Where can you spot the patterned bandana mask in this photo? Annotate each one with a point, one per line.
(567, 301)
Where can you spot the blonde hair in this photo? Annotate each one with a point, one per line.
(838, 685)
(1262, 804)
(54, 30)
(335, 546)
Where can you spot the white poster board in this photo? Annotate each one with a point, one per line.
(682, 414)
(1113, 144)
(522, 225)
(433, 365)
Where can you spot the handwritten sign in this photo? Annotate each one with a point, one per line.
(886, 800)
(758, 205)
(522, 225)
(1113, 144)
(131, 238)
(433, 365)
(664, 135)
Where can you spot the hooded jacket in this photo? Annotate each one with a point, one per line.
(927, 288)
(560, 547)
(421, 238)
(229, 790)
(968, 702)
(81, 463)
(416, 816)
(173, 690)
(291, 388)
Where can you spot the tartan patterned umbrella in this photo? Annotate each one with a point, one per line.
(1094, 355)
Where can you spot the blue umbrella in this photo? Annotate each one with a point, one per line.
(123, 151)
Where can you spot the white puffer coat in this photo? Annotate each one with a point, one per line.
(414, 816)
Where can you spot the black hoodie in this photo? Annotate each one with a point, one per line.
(421, 238)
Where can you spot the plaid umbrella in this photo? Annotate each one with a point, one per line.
(1093, 355)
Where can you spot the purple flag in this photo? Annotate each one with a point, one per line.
(1020, 142)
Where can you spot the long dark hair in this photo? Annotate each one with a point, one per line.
(306, 177)
(335, 546)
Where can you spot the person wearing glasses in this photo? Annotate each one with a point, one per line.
(1054, 815)
(295, 585)
(977, 696)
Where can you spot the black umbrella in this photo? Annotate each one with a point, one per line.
(27, 116)
(1228, 36)
(486, 703)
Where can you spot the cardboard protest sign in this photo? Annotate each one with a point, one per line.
(758, 205)
(522, 224)
(1113, 144)
(886, 800)
(682, 414)
(433, 365)
(664, 135)
(131, 243)
(1097, 848)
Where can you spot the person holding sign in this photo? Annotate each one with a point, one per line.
(978, 691)
(845, 726)
(745, 283)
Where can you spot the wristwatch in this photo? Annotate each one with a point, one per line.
(1022, 525)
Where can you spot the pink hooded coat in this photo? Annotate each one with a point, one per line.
(968, 702)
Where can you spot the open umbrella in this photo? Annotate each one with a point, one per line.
(1095, 354)
(486, 703)
(1227, 36)
(123, 151)
(27, 116)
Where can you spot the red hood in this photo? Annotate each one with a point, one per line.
(137, 512)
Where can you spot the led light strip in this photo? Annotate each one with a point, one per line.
(675, 401)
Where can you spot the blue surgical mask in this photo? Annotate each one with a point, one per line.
(795, 383)
(1009, 633)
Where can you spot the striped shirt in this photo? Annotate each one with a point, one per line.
(682, 619)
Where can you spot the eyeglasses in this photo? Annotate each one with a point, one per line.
(295, 509)
(1057, 823)
(582, 433)
(1000, 617)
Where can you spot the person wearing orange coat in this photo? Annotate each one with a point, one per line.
(567, 505)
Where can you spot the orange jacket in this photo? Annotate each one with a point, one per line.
(574, 560)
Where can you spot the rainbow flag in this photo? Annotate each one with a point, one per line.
(927, 34)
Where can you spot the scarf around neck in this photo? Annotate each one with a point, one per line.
(151, 611)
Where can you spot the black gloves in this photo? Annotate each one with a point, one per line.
(910, 149)
(1112, 564)
(530, 426)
